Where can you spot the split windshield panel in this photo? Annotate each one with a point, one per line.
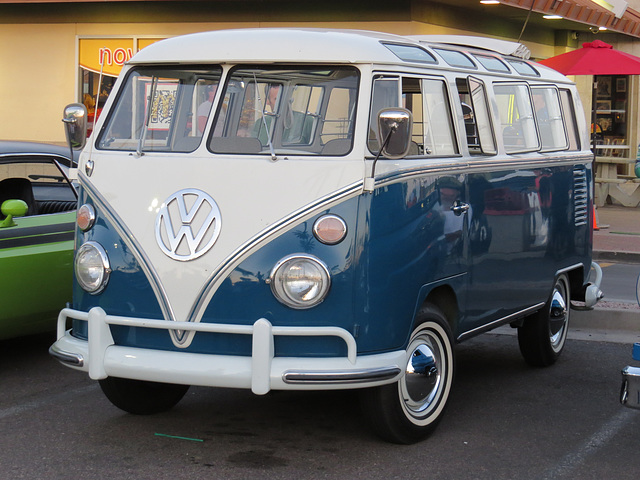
(297, 110)
(157, 110)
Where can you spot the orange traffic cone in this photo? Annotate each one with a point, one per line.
(595, 219)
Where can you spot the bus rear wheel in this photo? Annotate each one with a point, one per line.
(407, 411)
(140, 397)
(543, 334)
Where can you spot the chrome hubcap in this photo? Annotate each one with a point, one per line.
(423, 377)
(558, 316)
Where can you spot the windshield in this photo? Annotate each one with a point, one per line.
(287, 111)
(279, 110)
(173, 120)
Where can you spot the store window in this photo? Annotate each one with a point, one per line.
(610, 130)
(100, 61)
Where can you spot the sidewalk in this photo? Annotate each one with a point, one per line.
(617, 237)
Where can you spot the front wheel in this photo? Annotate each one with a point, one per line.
(542, 335)
(407, 411)
(141, 397)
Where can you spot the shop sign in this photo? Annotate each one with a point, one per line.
(108, 54)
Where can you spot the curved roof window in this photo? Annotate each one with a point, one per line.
(492, 64)
(410, 53)
(523, 68)
(456, 59)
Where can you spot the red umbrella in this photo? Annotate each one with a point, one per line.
(594, 58)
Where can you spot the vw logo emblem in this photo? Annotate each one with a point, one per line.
(188, 224)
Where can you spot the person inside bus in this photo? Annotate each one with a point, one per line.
(269, 113)
(205, 107)
(542, 117)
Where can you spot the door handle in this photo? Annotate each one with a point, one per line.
(459, 208)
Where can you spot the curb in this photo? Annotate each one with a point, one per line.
(626, 320)
(619, 257)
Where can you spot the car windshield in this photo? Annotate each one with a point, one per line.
(262, 110)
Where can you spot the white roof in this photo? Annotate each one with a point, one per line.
(306, 45)
(273, 45)
(496, 45)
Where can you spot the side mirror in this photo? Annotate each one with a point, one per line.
(394, 130)
(75, 122)
(10, 209)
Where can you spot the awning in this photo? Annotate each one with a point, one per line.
(615, 15)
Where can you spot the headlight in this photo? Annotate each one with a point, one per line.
(92, 267)
(300, 281)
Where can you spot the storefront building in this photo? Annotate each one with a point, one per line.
(52, 53)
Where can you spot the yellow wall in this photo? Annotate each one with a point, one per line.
(39, 78)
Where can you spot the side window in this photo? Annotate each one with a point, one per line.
(386, 93)
(412, 100)
(427, 100)
(571, 124)
(439, 138)
(477, 119)
(516, 117)
(40, 184)
(546, 104)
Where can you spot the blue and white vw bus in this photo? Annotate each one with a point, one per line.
(289, 209)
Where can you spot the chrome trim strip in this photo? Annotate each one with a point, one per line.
(569, 268)
(73, 359)
(467, 165)
(295, 377)
(134, 246)
(499, 322)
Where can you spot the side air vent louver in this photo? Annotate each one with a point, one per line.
(580, 196)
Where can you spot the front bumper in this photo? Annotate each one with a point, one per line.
(262, 372)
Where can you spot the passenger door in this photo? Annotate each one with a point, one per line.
(418, 224)
(36, 250)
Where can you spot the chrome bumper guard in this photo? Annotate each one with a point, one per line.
(593, 294)
(630, 391)
(262, 372)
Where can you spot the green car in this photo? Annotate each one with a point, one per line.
(37, 219)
